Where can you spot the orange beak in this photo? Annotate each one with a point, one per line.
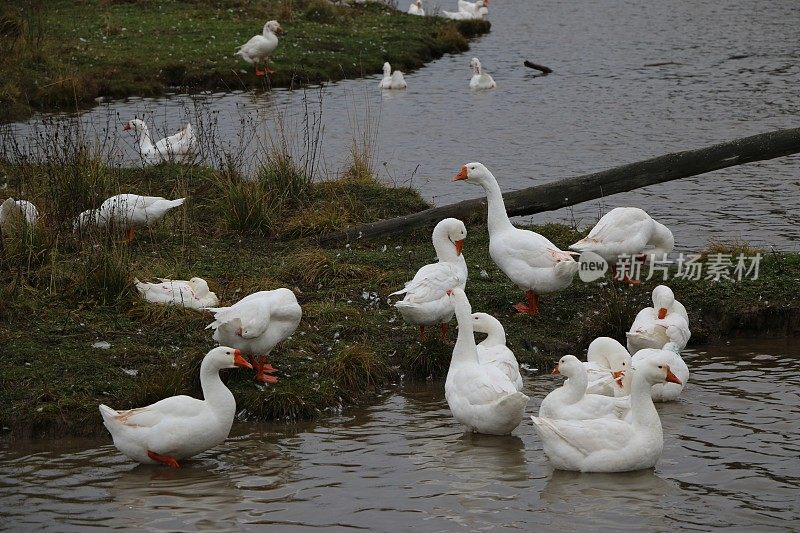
(618, 376)
(462, 174)
(459, 246)
(126, 127)
(556, 370)
(238, 360)
(662, 313)
(672, 378)
(279, 30)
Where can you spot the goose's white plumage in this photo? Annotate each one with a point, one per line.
(192, 294)
(468, 10)
(416, 8)
(530, 260)
(260, 47)
(493, 350)
(571, 401)
(128, 211)
(606, 444)
(480, 80)
(392, 80)
(20, 209)
(667, 321)
(480, 396)
(426, 302)
(604, 357)
(181, 426)
(626, 231)
(473, 7)
(661, 392)
(179, 147)
(256, 324)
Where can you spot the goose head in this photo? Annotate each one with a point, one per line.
(272, 27)
(475, 173)
(475, 65)
(663, 300)
(450, 232)
(419, 3)
(486, 323)
(199, 286)
(609, 352)
(135, 125)
(387, 69)
(225, 357)
(654, 370)
(569, 365)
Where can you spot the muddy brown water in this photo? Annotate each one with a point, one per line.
(732, 69)
(731, 459)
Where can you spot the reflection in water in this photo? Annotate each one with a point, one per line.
(730, 460)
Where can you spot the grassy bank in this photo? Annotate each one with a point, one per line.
(62, 292)
(60, 54)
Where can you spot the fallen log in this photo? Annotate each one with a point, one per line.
(570, 191)
(543, 69)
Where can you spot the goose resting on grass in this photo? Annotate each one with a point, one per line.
(20, 209)
(192, 294)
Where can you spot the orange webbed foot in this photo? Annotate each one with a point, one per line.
(163, 459)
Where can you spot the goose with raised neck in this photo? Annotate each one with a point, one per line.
(531, 261)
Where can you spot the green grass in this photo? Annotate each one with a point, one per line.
(62, 54)
(77, 290)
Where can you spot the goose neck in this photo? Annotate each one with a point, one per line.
(215, 393)
(497, 218)
(642, 407)
(465, 350)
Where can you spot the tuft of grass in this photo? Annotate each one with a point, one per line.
(730, 247)
(357, 368)
(428, 360)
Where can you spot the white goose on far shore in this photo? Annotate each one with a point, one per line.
(416, 8)
(179, 147)
(392, 80)
(260, 47)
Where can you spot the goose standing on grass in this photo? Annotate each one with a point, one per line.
(604, 357)
(23, 210)
(611, 445)
(530, 260)
(493, 350)
(178, 147)
(480, 80)
(480, 396)
(179, 427)
(626, 232)
(260, 47)
(392, 80)
(256, 324)
(571, 401)
(426, 302)
(667, 321)
(416, 8)
(192, 294)
(661, 392)
(128, 211)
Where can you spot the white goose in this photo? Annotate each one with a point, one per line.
(192, 294)
(472, 7)
(392, 80)
(416, 8)
(626, 232)
(178, 147)
(128, 211)
(661, 392)
(179, 427)
(426, 302)
(493, 350)
(479, 12)
(667, 321)
(480, 396)
(604, 357)
(480, 80)
(530, 260)
(256, 324)
(571, 401)
(21, 209)
(606, 444)
(260, 47)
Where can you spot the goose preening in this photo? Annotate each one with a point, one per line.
(661, 392)
(480, 79)
(128, 211)
(179, 427)
(256, 324)
(12, 209)
(626, 232)
(178, 147)
(426, 302)
(260, 47)
(605, 357)
(481, 397)
(493, 350)
(416, 8)
(572, 402)
(530, 260)
(609, 444)
(667, 321)
(192, 294)
(392, 80)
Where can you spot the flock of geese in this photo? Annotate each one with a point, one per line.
(602, 419)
